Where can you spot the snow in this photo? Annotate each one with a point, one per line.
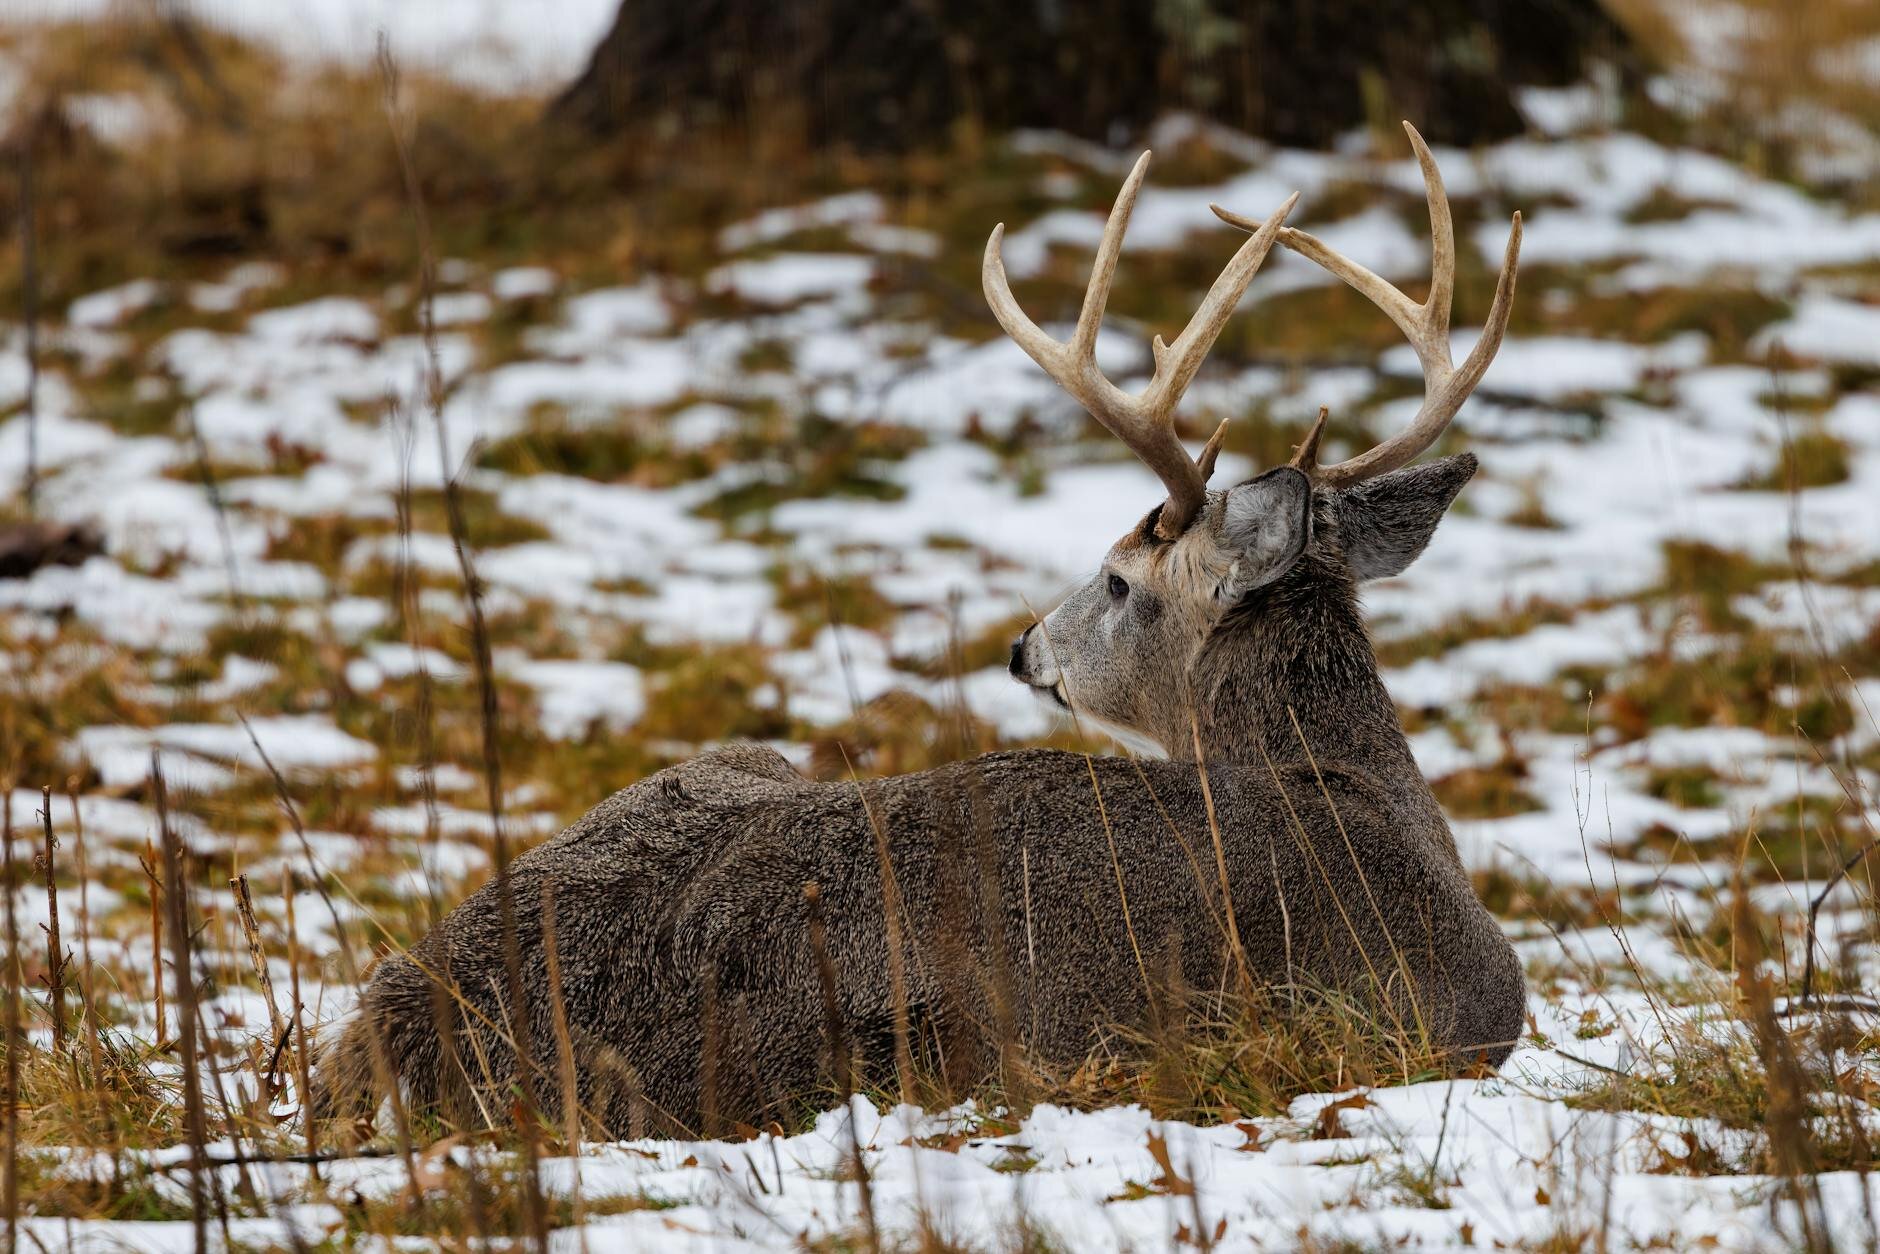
(1826, 328)
(1623, 446)
(523, 282)
(594, 319)
(1490, 1152)
(113, 305)
(294, 744)
(328, 318)
(789, 277)
(573, 695)
(502, 47)
(850, 209)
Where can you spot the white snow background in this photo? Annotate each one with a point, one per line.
(1621, 446)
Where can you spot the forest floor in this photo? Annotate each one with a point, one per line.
(756, 464)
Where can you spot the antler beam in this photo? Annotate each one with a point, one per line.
(1145, 423)
(1426, 326)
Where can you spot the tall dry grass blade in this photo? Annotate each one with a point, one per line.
(383, 1074)
(257, 955)
(841, 1064)
(1364, 882)
(1789, 1117)
(232, 1124)
(285, 798)
(897, 955)
(55, 950)
(29, 305)
(1116, 867)
(212, 492)
(10, 1163)
(153, 877)
(535, 1208)
(303, 1080)
(410, 609)
(1304, 844)
(1220, 859)
(180, 967)
(564, 1046)
(1814, 915)
(87, 972)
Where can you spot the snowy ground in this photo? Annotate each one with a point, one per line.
(796, 474)
(492, 43)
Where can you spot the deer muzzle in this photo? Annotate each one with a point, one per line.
(1031, 664)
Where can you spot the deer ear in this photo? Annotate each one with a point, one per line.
(1385, 523)
(1265, 523)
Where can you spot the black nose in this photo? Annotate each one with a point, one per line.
(1017, 663)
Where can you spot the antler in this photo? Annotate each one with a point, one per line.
(1145, 423)
(1426, 326)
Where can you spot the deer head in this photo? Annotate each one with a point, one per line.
(1122, 648)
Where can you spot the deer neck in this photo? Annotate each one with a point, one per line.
(1289, 677)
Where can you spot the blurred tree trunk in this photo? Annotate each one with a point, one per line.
(892, 74)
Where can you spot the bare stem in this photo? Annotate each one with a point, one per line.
(55, 950)
(10, 1186)
(185, 1007)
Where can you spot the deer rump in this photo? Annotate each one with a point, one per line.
(691, 986)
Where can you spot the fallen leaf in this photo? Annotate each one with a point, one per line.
(1171, 1181)
(1331, 1127)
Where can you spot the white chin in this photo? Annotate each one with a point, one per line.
(1051, 694)
(1130, 739)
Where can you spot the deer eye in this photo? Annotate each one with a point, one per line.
(1118, 588)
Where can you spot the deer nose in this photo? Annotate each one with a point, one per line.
(1017, 663)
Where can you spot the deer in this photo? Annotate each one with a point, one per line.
(733, 941)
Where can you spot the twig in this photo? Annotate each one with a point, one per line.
(148, 860)
(409, 609)
(1814, 914)
(185, 1006)
(10, 1188)
(55, 952)
(286, 799)
(840, 1063)
(302, 1080)
(1588, 1062)
(29, 310)
(257, 956)
(570, 1089)
(87, 972)
(534, 1207)
(897, 954)
(1220, 861)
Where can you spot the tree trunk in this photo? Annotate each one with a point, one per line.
(896, 74)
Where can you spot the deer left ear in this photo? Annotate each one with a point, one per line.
(1265, 523)
(1385, 523)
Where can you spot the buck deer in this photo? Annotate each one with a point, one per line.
(1033, 898)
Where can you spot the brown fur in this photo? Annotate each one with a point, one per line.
(691, 987)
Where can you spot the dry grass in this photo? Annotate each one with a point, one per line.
(1785, 63)
(306, 175)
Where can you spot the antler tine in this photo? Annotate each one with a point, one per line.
(1425, 326)
(1145, 423)
(1436, 306)
(1103, 268)
(1212, 451)
(1177, 363)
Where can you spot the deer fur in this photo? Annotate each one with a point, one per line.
(691, 986)
(1041, 899)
